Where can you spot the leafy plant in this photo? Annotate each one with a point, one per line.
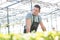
(31, 36)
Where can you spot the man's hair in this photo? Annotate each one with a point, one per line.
(37, 6)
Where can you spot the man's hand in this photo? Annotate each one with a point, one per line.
(42, 26)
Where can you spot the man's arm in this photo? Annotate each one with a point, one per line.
(42, 26)
(28, 24)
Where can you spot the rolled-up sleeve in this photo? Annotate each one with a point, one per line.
(28, 16)
(40, 19)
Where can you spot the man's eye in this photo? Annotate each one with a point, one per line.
(36, 10)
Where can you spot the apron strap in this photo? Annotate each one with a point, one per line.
(34, 18)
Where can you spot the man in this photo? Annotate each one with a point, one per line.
(33, 19)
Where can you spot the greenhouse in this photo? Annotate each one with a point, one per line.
(13, 16)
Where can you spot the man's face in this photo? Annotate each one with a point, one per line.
(35, 11)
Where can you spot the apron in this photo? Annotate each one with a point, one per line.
(34, 25)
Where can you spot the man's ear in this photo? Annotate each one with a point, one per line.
(39, 11)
